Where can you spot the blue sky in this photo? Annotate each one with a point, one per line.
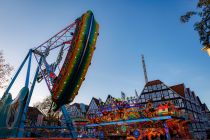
(127, 30)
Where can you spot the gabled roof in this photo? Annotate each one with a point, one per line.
(151, 83)
(179, 89)
(191, 93)
(77, 105)
(109, 96)
(96, 101)
(199, 100)
(194, 96)
(204, 107)
(154, 82)
(34, 111)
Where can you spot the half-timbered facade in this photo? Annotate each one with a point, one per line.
(183, 98)
(77, 112)
(109, 99)
(206, 119)
(93, 108)
(110, 103)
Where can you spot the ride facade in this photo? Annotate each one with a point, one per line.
(119, 119)
(74, 47)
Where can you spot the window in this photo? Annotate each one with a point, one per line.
(193, 125)
(171, 95)
(165, 93)
(159, 87)
(150, 88)
(182, 104)
(186, 95)
(169, 91)
(145, 89)
(158, 94)
(146, 96)
(142, 100)
(198, 109)
(166, 97)
(159, 98)
(154, 87)
(154, 99)
(193, 107)
(142, 96)
(175, 95)
(198, 126)
(188, 105)
(153, 95)
(163, 86)
(180, 101)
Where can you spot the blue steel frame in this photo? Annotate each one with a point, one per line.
(69, 123)
(20, 133)
(16, 74)
(23, 118)
(168, 137)
(26, 85)
(131, 121)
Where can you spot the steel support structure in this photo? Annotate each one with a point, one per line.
(20, 133)
(62, 38)
(29, 69)
(69, 122)
(16, 74)
(24, 115)
(131, 121)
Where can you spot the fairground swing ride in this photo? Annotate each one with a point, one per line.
(73, 49)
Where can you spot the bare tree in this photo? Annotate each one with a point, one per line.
(5, 71)
(203, 25)
(51, 118)
(45, 108)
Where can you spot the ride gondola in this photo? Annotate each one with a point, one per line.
(72, 74)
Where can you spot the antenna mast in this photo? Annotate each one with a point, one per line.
(144, 68)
